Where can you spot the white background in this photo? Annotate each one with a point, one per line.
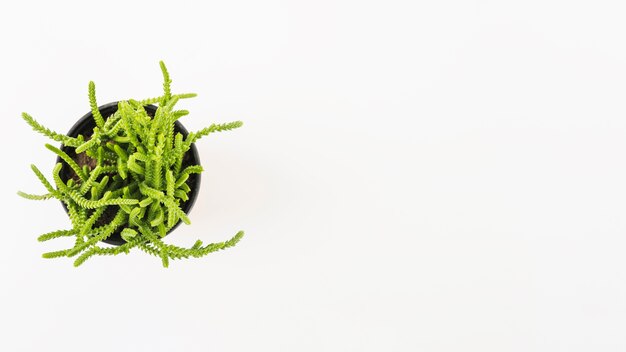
(411, 176)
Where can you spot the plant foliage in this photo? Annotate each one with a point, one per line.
(137, 184)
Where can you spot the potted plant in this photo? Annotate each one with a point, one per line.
(127, 174)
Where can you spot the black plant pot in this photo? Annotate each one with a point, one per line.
(85, 127)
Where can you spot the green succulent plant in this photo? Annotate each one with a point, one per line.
(134, 182)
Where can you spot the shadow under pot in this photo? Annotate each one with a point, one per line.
(85, 127)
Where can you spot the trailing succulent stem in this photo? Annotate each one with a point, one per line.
(135, 184)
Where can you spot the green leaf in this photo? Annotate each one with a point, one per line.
(69, 141)
(69, 161)
(128, 233)
(94, 106)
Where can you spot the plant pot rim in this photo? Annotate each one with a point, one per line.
(86, 123)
